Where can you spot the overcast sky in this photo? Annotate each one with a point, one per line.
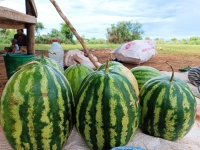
(159, 18)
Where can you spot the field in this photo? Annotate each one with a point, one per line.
(177, 55)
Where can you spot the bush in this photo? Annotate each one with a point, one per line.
(198, 42)
(192, 42)
(184, 41)
(124, 31)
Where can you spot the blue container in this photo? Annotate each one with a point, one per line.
(127, 148)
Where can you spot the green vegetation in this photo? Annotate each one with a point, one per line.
(124, 31)
(184, 49)
(67, 32)
(71, 46)
(38, 27)
(165, 48)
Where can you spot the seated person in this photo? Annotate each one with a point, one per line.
(21, 38)
(14, 48)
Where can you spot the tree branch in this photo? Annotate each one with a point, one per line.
(75, 33)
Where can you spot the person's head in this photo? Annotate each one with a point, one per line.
(20, 31)
(14, 41)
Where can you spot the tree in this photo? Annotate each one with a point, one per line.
(67, 32)
(38, 27)
(147, 38)
(6, 35)
(2, 31)
(124, 31)
(173, 39)
(193, 38)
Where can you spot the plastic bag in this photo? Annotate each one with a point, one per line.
(77, 56)
(135, 52)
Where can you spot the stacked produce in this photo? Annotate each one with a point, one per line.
(38, 109)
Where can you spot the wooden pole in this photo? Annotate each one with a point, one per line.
(30, 31)
(75, 33)
(31, 39)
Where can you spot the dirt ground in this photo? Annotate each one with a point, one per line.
(158, 61)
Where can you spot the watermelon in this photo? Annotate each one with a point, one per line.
(107, 111)
(36, 108)
(47, 60)
(143, 74)
(124, 70)
(110, 63)
(168, 108)
(75, 75)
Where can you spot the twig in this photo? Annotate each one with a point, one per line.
(75, 33)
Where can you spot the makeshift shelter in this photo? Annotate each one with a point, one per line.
(12, 19)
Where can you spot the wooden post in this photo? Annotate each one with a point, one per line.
(31, 39)
(30, 31)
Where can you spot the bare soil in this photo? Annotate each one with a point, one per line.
(158, 61)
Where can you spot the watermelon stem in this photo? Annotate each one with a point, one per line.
(107, 67)
(110, 57)
(172, 72)
(42, 56)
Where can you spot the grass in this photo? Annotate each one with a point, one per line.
(184, 49)
(78, 46)
(165, 48)
(71, 46)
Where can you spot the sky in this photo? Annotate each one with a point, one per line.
(160, 19)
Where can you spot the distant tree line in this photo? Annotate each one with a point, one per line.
(194, 40)
(121, 32)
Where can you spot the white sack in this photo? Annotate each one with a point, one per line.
(135, 52)
(76, 56)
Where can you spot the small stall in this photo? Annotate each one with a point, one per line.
(12, 19)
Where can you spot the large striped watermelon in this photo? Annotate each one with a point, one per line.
(75, 75)
(168, 108)
(36, 108)
(144, 73)
(107, 111)
(124, 70)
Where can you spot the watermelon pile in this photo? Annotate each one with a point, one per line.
(40, 104)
